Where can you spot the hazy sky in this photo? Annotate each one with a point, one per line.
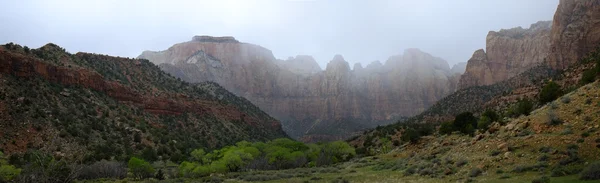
(361, 31)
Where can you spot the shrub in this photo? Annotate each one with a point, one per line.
(544, 157)
(8, 172)
(461, 163)
(522, 107)
(484, 123)
(140, 169)
(446, 128)
(550, 92)
(565, 99)
(475, 172)
(465, 123)
(552, 119)
(588, 76)
(591, 172)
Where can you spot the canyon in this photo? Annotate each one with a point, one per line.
(314, 104)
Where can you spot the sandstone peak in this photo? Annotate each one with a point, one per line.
(459, 68)
(357, 66)
(223, 39)
(519, 32)
(301, 64)
(374, 65)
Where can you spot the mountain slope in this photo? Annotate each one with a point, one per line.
(96, 106)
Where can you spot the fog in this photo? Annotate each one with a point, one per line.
(361, 31)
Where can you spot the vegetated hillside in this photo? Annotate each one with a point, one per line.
(92, 107)
(558, 139)
(502, 97)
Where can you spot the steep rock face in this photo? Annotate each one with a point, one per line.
(575, 31)
(302, 64)
(314, 104)
(509, 52)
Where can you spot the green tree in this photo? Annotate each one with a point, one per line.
(484, 122)
(493, 116)
(550, 92)
(465, 123)
(140, 169)
(524, 107)
(198, 155)
(447, 127)
(7, 172)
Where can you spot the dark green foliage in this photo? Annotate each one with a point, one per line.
(492, 115)
(591, 172)
(464, 123)
(550, 92)
(588, 76)
(43, 167)
(159, 175)
(523, 107)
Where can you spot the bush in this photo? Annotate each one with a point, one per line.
(475, 172)
(565, 100)
(461, 162)
(465, 123)
(589, 76)
(550, 92)
(140, 169)
(523, 107)
(591, 172)
(8, 172)
(552, 119)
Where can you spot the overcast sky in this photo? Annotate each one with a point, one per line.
(361, 31)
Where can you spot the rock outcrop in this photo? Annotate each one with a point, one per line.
(313, 103)
(575, 31)
(302, 64)
(459, 68)
(508, 53)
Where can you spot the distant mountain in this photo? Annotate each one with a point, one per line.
(313, 104)
(102, 107)
(459, 68)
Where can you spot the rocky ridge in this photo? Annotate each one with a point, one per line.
(328, 104)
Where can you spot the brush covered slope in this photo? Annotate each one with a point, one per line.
(91, 107)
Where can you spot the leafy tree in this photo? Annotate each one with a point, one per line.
(524, 107)
(7, 172)
(198, 155)
(493, 116)
(550, 92)
(149, 154)
(446, 127)
(140, 169)
(484, 122)
(588, 76)
(465, 123)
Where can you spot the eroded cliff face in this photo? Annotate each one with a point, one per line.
(508, 53)
(575, 31)
(314, 104)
